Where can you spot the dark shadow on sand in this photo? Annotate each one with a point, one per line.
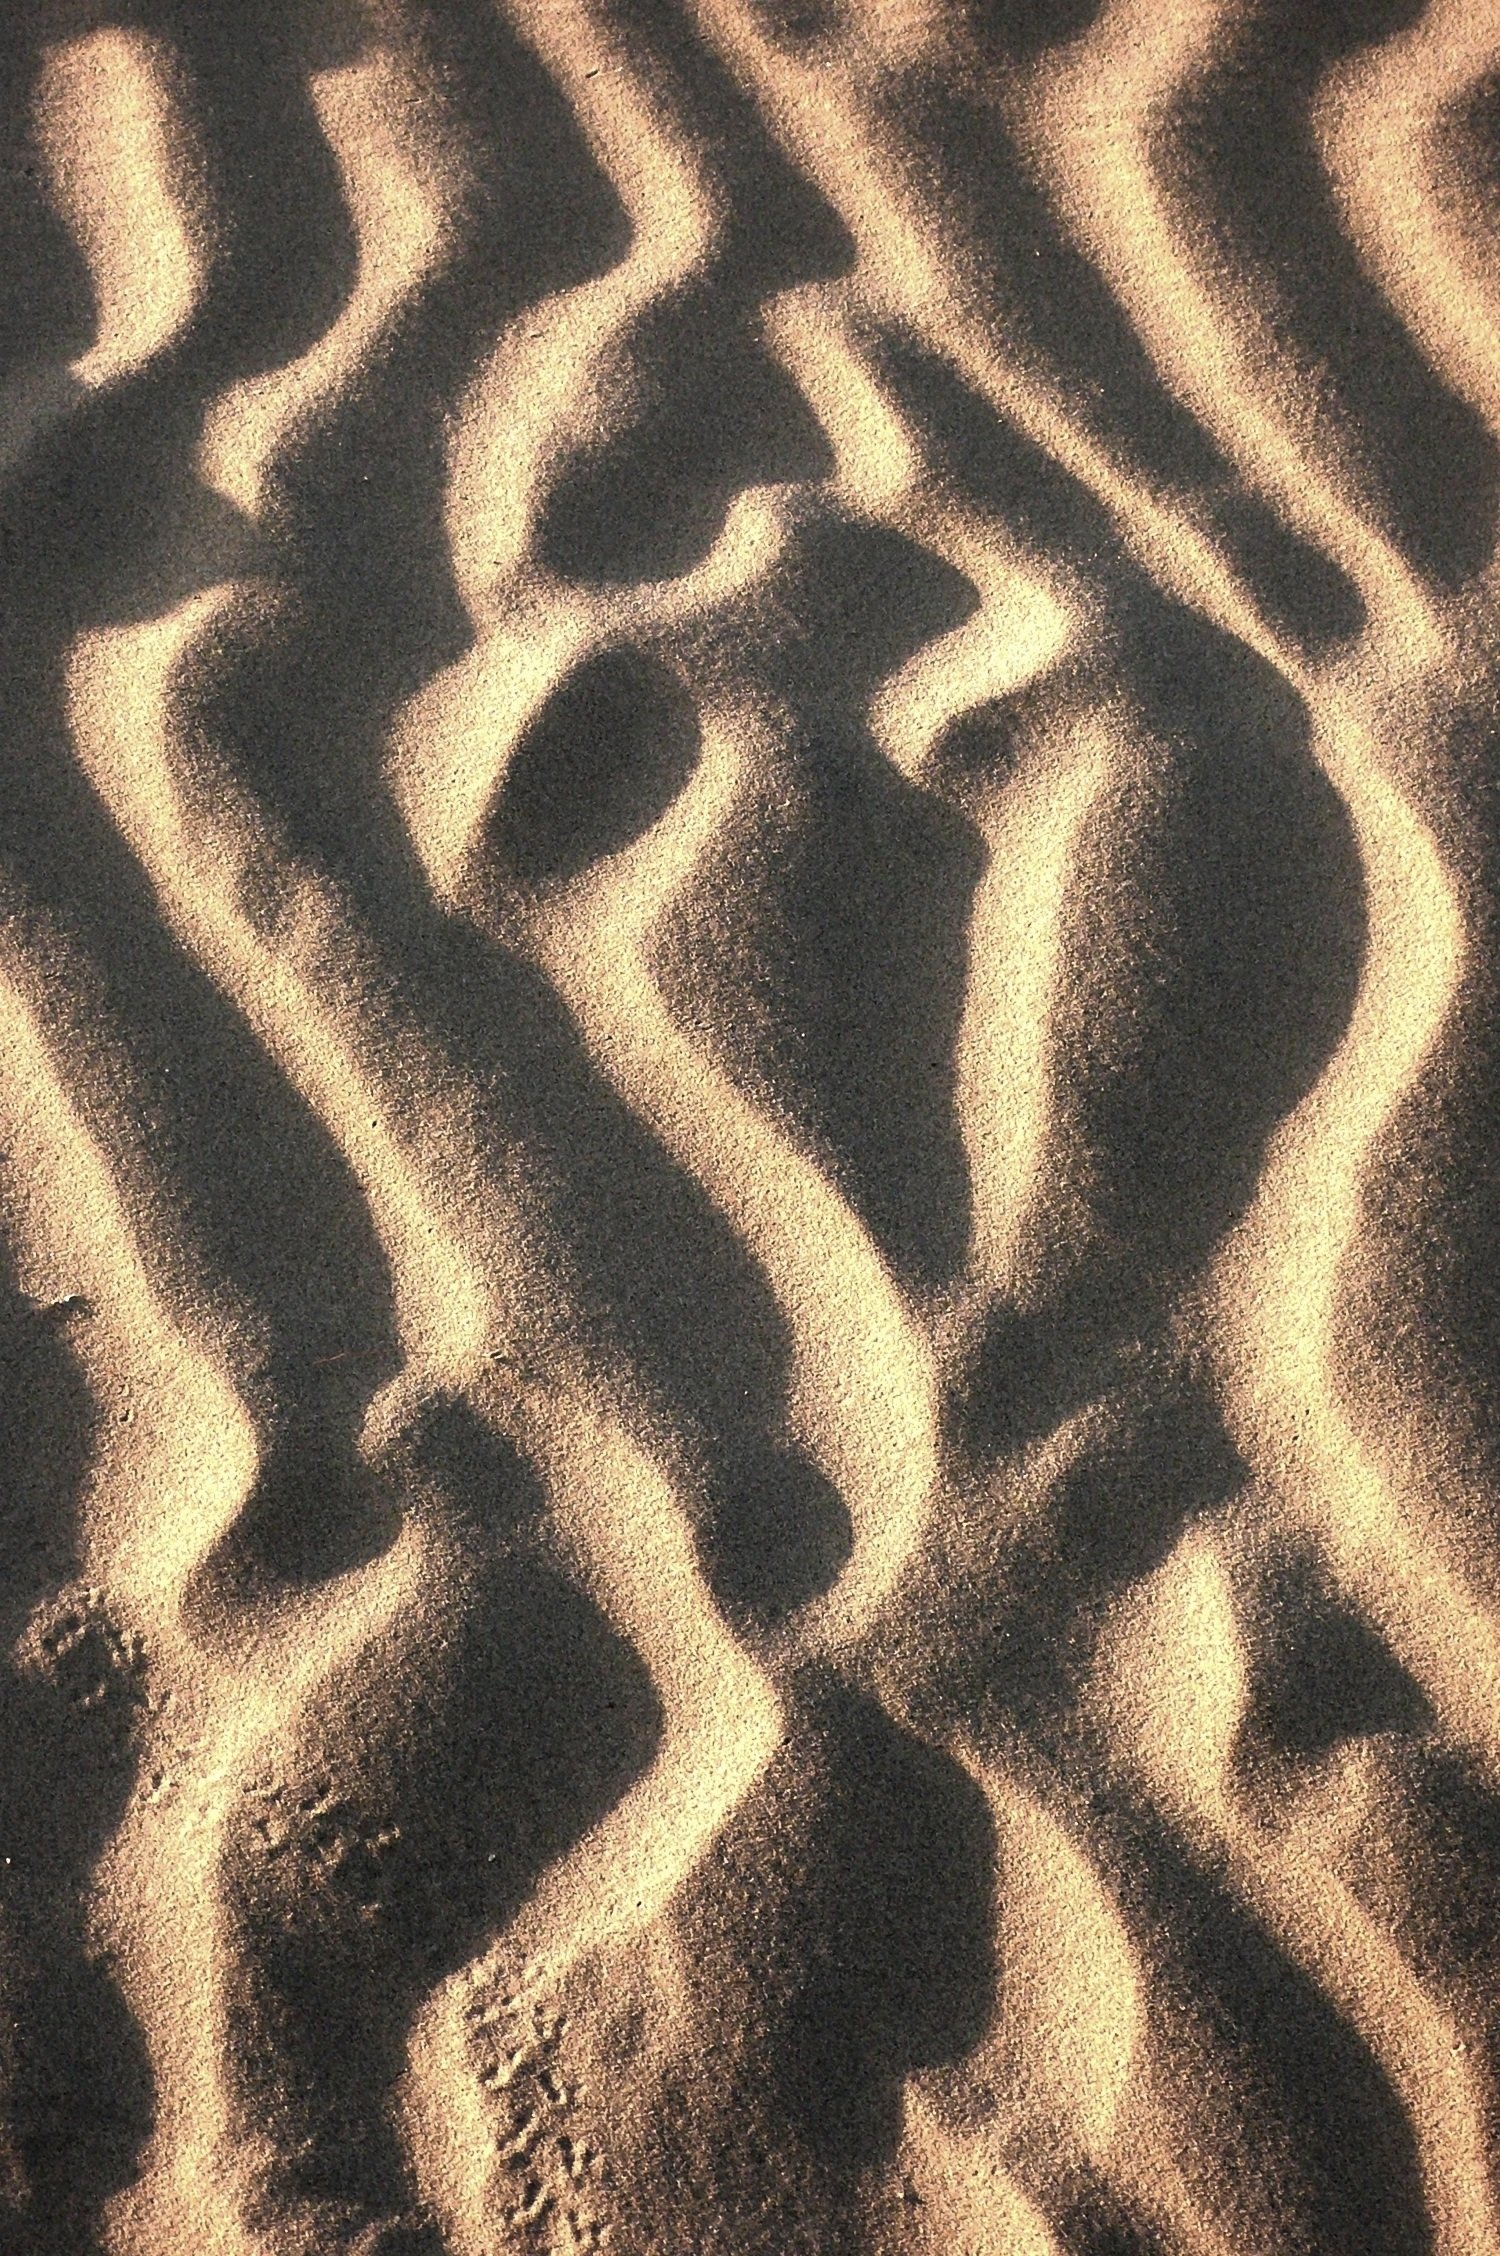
(419, 1800)
(76, 2091)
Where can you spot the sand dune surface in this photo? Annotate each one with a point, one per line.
(749, 1198)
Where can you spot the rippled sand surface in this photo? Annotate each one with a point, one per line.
(749, 1044)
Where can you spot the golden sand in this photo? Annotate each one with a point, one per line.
(749, 1266)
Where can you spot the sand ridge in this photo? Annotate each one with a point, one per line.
(747, 1046)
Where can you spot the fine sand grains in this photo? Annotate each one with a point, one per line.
(749, 1346)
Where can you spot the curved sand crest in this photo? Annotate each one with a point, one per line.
(746, 1083)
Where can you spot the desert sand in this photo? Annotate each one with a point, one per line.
(749, 1213)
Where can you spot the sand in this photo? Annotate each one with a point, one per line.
(749, 1213)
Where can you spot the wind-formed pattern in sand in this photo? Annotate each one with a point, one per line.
(748, 975)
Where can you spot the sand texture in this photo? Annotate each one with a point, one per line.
(749, 1052)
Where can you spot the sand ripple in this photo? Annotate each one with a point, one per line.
(747, 1225)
